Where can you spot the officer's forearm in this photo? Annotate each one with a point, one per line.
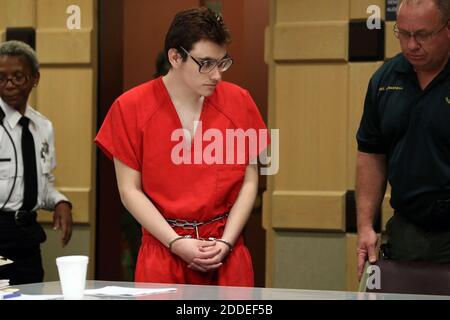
(370, 187)
(53, 196)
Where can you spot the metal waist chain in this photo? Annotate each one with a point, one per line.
(185, 224)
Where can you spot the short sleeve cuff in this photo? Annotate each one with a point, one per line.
(370, 148)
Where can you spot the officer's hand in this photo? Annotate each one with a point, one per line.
(367, 243)
(62, 219)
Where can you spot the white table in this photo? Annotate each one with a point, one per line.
(195, 292)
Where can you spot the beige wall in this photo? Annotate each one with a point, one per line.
(315, 99)
(67, 96)
(79, 245)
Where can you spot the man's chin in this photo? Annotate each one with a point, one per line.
(416, 61)
(208, 92)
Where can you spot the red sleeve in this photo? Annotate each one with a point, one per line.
(255, 121)
(118, 137)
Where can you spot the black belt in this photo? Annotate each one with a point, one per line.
(430, 214)
(19, 217)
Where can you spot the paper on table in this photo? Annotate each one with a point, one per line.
(4, 283)
(126, 292)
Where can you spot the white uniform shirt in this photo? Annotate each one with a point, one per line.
(42, 131)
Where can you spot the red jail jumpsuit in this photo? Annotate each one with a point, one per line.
(138, 131)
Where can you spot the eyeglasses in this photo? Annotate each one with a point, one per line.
(207, 66)
(420, 37)
(18, 79)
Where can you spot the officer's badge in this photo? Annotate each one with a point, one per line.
(44, 150)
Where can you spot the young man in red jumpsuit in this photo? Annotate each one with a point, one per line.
(177, 172)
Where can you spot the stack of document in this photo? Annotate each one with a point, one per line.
(6, 292)
(9, 293)
(4, 283)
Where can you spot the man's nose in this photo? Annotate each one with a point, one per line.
(413, 44)
(216, 75)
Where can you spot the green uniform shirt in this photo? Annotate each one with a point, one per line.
(411, 127)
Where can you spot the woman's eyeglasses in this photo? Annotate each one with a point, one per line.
(18, 79)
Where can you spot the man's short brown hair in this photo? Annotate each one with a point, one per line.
(190, 26)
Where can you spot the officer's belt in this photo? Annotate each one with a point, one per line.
(429, 212)
(19, 217)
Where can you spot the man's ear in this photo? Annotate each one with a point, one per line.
(175, 58)
(36, 78)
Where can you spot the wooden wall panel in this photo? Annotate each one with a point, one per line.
(17, 13)
(351, 262)
(51, 249)
(358, 8)
(311, 114)
(311, 10)
(311, 41)
(305, 210)
(3, 18)
(67, 96)
(68, 103)
(52, 13)
(59, 46)
(309, 260)
(82, 198)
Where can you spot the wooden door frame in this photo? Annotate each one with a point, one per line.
(110, 86)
